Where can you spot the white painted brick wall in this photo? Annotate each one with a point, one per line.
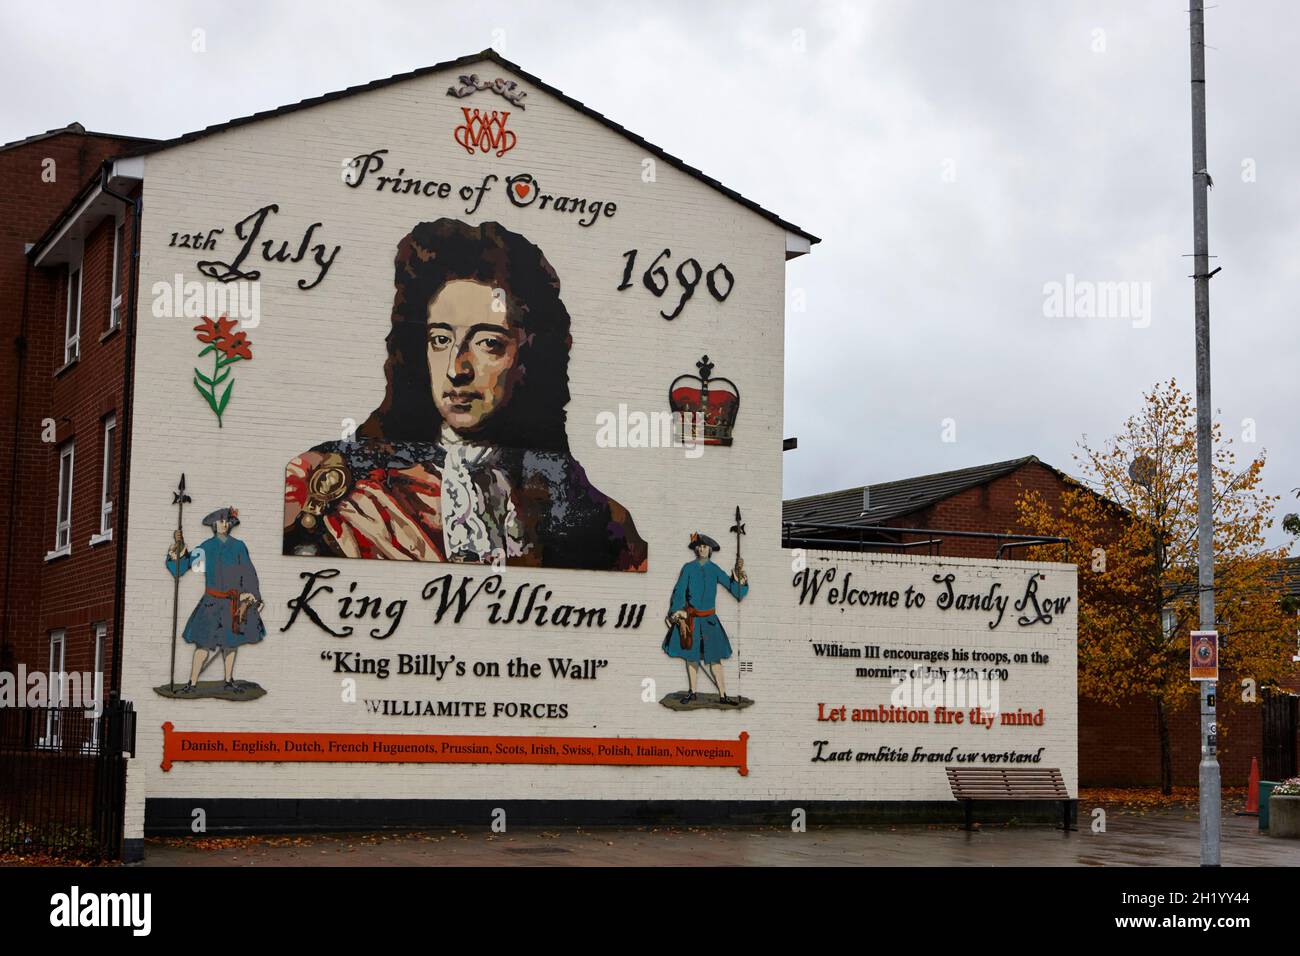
(318, 358)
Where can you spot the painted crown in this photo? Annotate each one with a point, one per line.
(704, 407)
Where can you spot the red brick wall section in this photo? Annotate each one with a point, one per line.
(990, 507)
(75, 591)
(1120, 746)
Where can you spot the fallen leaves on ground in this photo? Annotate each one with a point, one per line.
(1144, 800)
(43, 859)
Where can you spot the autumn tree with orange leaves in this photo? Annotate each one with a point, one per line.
(1131, 522)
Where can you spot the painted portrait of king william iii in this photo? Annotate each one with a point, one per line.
(467, 458)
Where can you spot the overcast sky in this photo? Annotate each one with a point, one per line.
(955, 157)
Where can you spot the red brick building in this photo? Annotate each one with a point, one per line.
(980, 499)
(1118, 746)
(63, 365)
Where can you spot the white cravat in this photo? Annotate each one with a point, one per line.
(468, 526)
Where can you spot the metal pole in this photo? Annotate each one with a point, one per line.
(1210, 795)
(737, 529)
(179, 498)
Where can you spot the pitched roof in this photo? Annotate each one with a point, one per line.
(75, 129)
(893, 499)
(1291, 577)
(494, 57)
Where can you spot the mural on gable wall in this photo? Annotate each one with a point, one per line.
(467, 458)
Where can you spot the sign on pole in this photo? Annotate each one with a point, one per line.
(1204, 660)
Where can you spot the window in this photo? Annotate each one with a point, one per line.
(106, 485)
(57, 657)
(63, 507)
(52, 728)
(1169, 621)
(72, 330)
(98, 680)
(101, 637)
(115, 282)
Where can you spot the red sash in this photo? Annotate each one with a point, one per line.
(692, 613)
(233, 597)
(686, 627)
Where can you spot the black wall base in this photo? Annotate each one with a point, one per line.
(172, 816)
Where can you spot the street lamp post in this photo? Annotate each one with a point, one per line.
(1210, 795)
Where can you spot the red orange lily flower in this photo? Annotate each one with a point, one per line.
(214, 333)
(237, 346)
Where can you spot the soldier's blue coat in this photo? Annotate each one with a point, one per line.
(226, 565)
(697, 585)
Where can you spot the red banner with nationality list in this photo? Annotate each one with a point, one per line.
(204, 746)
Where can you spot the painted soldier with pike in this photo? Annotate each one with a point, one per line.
(695, 635)
(228, 614)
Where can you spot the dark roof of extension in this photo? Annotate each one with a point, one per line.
(76, 129)
(493, 56)
(893, 499)
(1291, 576)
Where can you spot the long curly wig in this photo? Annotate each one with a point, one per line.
(435, 253)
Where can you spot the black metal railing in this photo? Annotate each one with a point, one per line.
(838, 536)
(63, 780)
(1281, 720)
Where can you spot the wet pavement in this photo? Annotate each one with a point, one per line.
(1167, 836)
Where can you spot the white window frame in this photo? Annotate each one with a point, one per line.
(57, 659)
(1168, 621)
(106, 485)
(63, 522)
(101, 643)
(100, 630)
(72, 323)
(115, 289)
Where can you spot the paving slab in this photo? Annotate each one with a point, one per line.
(1160, 837)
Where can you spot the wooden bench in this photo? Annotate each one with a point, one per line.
(1008, 783)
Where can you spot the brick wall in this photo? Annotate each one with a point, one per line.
(1119, 746)
(75, 591)
(989, 507)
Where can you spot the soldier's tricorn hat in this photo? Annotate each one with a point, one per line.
(698, 539)
(222, 514)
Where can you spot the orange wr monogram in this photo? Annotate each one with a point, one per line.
(485, 131)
